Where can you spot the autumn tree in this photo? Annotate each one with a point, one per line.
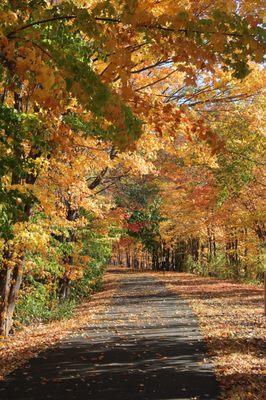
(80, 82)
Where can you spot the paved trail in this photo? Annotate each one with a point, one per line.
(145, 346)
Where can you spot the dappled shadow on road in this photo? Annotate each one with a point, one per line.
(197, 286)
(117, 369)
(212, 288)
(145, 347)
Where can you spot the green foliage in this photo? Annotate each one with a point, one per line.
(98, 250)
(193, 266)
(251, 270)
(137, 194)
(236, 164)
(39, 302)
(217, 266)
(14, 161)
(90, 282)
(39, 297)
(144, 224)
(73, 55)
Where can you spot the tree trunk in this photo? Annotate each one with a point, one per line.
(5, 283)
(10, 282)
(64, 288)
(128, 258)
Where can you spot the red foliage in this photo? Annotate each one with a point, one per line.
(135, 226)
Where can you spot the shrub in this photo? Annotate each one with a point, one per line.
(37, 302)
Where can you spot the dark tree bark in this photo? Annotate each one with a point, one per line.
(10, 282)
